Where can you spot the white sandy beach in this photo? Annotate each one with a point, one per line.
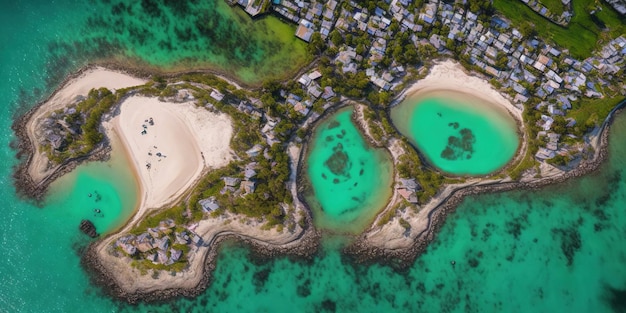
(450, 76)
(71, 92)
(183, 141)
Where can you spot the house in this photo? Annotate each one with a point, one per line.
(217, 95)
(314, 91)
(248, 187)
(145, 242)
(231, 181)
(305, 30)
(304, 80)
(255, 150)
(56, 141)
(182, 238)
(315, 75)
(163, 243)
(328, 93)
(249, 173)
(175, 255)
(407, 189)
(161, 257)
(128, 249)
(544, 154)
(209, 204)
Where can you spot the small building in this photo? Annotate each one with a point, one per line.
(217, 95)
(231, 181)
(161, 257)
(175, 255)
(209, 204)
(255, 150)
(163, 243)
(248, 187)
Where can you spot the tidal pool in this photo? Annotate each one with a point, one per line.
(350, 182)
(457, 133)
(105, 193)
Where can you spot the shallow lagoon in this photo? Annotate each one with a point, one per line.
(105, 193)
(350, 182)
(458, 134)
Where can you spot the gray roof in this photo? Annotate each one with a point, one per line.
(231, 181)
(209, 205)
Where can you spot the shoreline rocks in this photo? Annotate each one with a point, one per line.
(92, 263)
(88, 228)
(363, 251)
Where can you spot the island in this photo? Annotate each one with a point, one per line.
(405, 109)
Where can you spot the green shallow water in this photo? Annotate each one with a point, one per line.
(350, 182)
(462, 137)
(500, 266)
(105, 193)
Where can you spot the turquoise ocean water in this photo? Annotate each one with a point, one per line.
(555, 250)
(458, 136)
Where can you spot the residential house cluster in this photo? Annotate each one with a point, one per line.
(235, 186)
(252, 7)
(311, 17)
(526, 66)
(155, 245)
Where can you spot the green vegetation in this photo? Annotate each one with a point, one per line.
(581, 37)
(81, 128)
(590, 113)
(387, 216)
(409, 165)
(405, 224)
(554, 6)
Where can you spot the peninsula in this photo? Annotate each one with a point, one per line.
(215, 161)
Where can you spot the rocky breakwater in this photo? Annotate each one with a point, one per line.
(147, 267)
(393, 244)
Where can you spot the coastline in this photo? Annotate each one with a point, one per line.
(389, 244)
(99, 263)
(32, 176)
(448, 75)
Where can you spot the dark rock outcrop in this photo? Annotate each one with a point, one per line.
(88, 228)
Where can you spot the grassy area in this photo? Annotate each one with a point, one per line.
(581, 37)
(591, 112)
(555, 6)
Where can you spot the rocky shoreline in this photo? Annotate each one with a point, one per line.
(308, 246)
(363, 251)
(305, 244)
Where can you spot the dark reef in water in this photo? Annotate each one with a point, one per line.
(570, 242)
(339, 162)
(460, 147)
(616, 299)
